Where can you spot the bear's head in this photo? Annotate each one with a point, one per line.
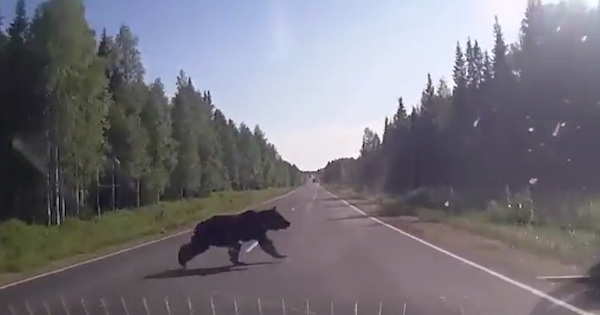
(185, 254)
(272, 220)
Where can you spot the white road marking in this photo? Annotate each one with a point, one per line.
(122, 250)
(251, 247)
(311, 204)
(523, 286)
(293, 209)
(563, 277)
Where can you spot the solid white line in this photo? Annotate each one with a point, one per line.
(123, 250)
(525, 287)
(563, 277)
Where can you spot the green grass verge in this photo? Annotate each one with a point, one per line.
(26, 247)
(577, 246)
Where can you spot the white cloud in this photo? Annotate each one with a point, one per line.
(311, 147)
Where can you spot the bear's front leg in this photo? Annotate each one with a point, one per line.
(268, 247)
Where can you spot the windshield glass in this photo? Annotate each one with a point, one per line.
(314, 157)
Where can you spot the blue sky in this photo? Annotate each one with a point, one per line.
(312, 73)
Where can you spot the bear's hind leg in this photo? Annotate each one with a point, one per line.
(234, 254)
(190, 250)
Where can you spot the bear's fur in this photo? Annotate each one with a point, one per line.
(230, 231)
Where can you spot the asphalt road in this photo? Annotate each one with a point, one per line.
(336, 262)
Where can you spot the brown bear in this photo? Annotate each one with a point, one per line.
(230, 231)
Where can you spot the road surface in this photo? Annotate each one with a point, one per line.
(336, 262)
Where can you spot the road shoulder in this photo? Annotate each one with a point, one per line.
(491, 253)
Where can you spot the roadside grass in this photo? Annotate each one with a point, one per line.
(25, 247)
(577, 246)
(572, 238)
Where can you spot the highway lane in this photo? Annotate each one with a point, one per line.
(348, 265)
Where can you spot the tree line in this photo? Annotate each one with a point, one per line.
(82, 133)
(521, 115)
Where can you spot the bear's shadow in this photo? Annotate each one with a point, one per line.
(180, 272)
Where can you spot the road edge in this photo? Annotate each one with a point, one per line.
(123, 250)
(493, 273)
